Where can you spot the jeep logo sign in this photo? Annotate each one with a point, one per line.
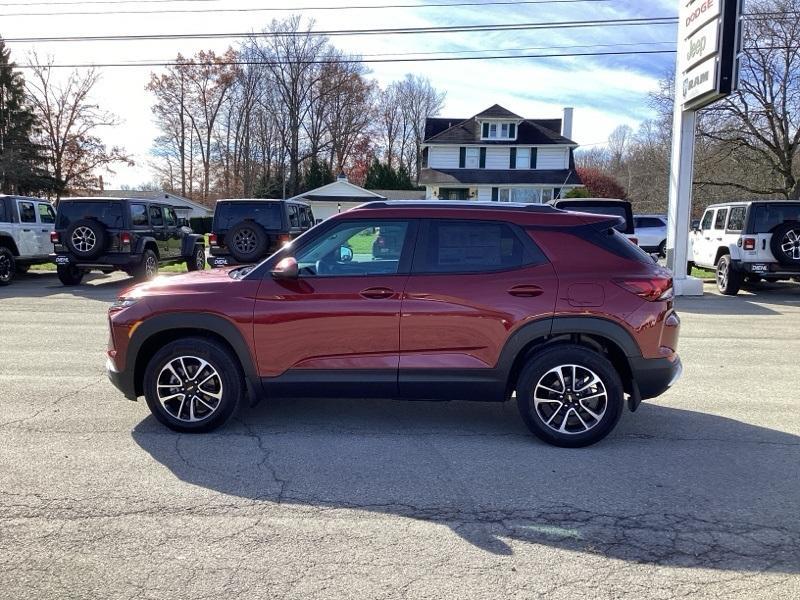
(700, 46)
(696, 13)
(700, 80)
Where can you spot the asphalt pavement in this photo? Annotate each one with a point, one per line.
(694, 495)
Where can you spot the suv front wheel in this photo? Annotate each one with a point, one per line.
(193, 385)
(7, 265)
(570, 396)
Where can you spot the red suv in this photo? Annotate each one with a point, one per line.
(482, 302)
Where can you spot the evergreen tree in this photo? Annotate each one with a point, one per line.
(21, 159)
(317, 175)
(380, 176)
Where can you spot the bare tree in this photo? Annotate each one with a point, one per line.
(390, 120)
(758, 127)
(420, 100)
(70, 122)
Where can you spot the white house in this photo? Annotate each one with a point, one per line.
(498, 155)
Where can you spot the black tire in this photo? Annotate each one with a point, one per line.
(148, 268)
(729, 282)
(22, 269)
(538, 372)
(785, 243)
(247, 241)
(197, 261)
(662, 249)
(211, 412)
(86, 238)
(8, 266)
(69, 274)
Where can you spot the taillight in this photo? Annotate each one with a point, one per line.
(125, 238)
(55, 238)
(284, 239)
(749, 243)
(212, 239)
(649, 288)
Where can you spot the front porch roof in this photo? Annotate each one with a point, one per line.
(498, 177)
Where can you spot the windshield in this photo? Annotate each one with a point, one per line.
(107, 213)
(266, 214)
(766, 216)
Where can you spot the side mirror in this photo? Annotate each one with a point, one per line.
(286, 269)
(695, 224)
(183, 222)
(345, 254)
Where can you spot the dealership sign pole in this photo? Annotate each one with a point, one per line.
(706, 70)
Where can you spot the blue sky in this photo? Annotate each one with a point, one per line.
(605, 91)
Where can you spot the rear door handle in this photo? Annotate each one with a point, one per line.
(526, 291)
(377, 293)
(26, 230)
(719, 239)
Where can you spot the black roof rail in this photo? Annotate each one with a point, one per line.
(460, 204)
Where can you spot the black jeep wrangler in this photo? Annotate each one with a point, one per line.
(121, 234)
(246, 231)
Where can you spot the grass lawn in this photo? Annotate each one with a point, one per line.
(702, 273)
(362, 243)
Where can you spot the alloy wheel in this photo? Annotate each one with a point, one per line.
(151, 266)
(245, 241)
(5, 268)
(790, 244)
(189, 388)
(570, 399)
(83, 239)
(722, 275)
(200, 259)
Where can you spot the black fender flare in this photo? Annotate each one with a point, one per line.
(7, 240)
(198, 322)
(143, 241)
(189, 242)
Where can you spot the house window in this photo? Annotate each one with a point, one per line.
(492, 130)
(523, 158)
(499, 131)
(504, 130)
(473, 157)
(526, 195)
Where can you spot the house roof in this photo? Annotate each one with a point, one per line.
(402, 194)
(175, 200)
(497, 112)
(341, 190)
(467, 131)
(555, 177)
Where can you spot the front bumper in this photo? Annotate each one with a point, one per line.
(654, 376)
(122, 380)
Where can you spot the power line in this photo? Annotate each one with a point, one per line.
(525, 49)
(99, 2)
(350, 60)
(356, 32)
(162, 11)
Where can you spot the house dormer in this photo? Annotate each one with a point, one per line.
(498, 124)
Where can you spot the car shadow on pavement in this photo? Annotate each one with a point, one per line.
(669, 487)
(760, 299)
(42, 284)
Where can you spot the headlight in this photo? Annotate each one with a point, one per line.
(123, 303)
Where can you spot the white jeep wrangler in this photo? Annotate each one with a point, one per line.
(748, 240)
(25, 226)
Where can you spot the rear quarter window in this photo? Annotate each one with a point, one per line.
(615, 242)
(107, 213)
(266, 214)
(736, 220)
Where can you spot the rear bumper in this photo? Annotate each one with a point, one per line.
(220, 258)
(114, 260)
(766, 269)
(654, 376)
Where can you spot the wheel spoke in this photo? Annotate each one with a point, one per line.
(577, 414)
(592, 414)
(553, 416)
(177, 381)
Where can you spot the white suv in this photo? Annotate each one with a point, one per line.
(651, 231)
(754, 240)
(25, 226)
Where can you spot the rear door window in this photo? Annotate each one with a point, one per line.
(266, 214)
(107, 213)
(719, 220)
(46, 213)
(473, 247)
(139, 215)
(736, 220)
(294, 216)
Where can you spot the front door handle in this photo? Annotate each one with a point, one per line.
(526, 291)
(377, 293)
(26, 230)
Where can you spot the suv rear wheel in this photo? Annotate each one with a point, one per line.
(570, 396)
(197, 261)
(193, 385)
(728, 280)
(69, 274)
(7, 265)
(148, 268)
